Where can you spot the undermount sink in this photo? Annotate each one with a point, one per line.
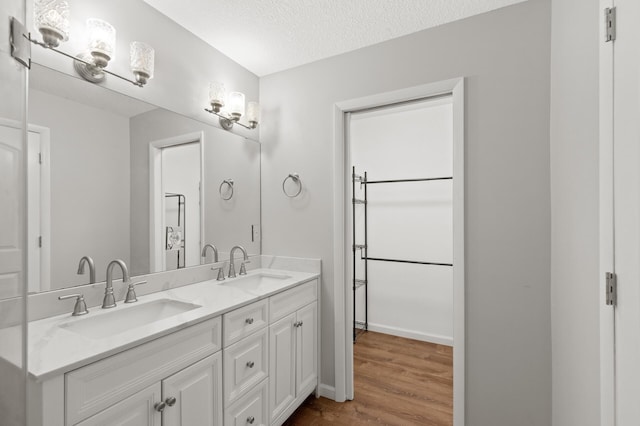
(259, 282)
(121, 320)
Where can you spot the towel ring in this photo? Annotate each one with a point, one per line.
(296, 178)
(229, 183)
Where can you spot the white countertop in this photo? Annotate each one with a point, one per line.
(54, 350)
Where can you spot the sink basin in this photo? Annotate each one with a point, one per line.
(119, 321)
(257, 283)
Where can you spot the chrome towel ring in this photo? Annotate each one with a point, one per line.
(296, 178)
(229, 183)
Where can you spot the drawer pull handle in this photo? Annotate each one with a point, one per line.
(171, 401)
(249, 320)
(250, 364)
(251, 419)
(159, 406)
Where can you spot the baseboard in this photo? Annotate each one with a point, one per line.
(327, 391)
(411, 334)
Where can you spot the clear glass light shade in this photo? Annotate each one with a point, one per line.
(142, 60)
(52, 20)
(217, 95)
(102, 41)
(253, 112)
(236, 104)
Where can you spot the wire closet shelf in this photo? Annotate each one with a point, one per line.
(363, 326)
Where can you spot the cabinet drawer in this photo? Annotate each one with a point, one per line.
(100, 385)
(245, 365)
(289, 301)
(250, 410)
(244, 321)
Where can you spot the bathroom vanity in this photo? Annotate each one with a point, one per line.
(243, 351)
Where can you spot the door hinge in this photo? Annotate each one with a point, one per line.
(610, 24)
(612, 288)
(39, 158)
(40, 241)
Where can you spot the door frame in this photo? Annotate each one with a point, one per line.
(343, 344)
(156, 203)
(606, 210)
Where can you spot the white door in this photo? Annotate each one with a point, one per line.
(282, 362)
(198, 394)
(620, 240)
(307, 351)
(137, 410)
(11, 211)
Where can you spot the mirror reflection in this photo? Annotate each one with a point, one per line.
(112, 177)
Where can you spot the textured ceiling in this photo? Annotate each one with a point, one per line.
(266, 36)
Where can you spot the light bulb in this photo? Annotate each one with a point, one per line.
(102, 41)
(52, 20)
(217, 95)
(253, 114)
(236, 105)
(142, 61)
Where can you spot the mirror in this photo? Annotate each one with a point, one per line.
(113, 177)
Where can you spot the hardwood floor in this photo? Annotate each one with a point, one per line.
(397, 382)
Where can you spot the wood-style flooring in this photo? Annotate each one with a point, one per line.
(397, 382)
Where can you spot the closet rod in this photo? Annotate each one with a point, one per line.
(406, 180)
(407, 261)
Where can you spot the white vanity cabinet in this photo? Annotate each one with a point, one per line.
(252, 366)
(293, 351)
(191, 397)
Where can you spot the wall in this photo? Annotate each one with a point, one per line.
(89, 185)
(184, 63)
(226, 155)
(505, 57)
(408, 220)
(575, 280)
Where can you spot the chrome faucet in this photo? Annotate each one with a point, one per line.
(109, 300)
(232, 269)
(215, 252)
(215, 260)
(92, 268)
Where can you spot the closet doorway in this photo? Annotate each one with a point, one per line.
(402, 254)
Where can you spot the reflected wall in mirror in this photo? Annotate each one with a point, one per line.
(113, 177)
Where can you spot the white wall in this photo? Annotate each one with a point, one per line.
(89, 185)
(411, 221)
(575, 280)
(504, 56)
(181, 175)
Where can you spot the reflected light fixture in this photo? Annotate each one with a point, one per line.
(52, 21)
(231, 108)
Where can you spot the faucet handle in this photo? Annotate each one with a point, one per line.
(131, 291)
(80, 308)
(220, 270)
(243, 270)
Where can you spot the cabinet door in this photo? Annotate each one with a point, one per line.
(282, 361)
(198, 394)
(307, 348)
(136, 410)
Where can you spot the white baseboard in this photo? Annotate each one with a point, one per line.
(327, 391)
(412, 334)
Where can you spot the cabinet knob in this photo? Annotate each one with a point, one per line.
(250, 364)
(249, 320)
(171, 401)
(160, 406)
(251, 419)
(301, 323)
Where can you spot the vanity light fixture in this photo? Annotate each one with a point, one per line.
(230, 108)
(52, 21)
